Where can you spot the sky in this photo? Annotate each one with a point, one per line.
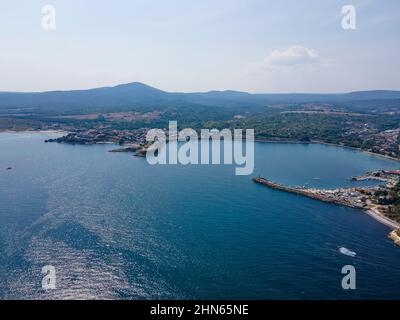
(263, 46)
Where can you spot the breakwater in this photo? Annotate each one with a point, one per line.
(321, 195)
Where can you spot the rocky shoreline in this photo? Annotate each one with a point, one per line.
(137, 149)
(103, 135)
(395, 236)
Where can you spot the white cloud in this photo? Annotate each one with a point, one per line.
(294, 55)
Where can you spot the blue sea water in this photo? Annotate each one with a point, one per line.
(114, 226)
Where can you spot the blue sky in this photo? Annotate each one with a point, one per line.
(186, 45)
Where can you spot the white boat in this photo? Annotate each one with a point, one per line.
(347, 252)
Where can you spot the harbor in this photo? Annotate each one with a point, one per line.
(376, 201)
(351, 197)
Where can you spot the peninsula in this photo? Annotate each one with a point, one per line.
(381, 202)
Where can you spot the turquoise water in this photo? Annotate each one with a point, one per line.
(115, 227)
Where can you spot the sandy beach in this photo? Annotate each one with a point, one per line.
(377, 215)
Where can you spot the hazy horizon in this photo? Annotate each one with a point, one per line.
(204, 91)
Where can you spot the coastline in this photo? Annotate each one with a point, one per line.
(329, 144)
(378, 216)
(278, 140)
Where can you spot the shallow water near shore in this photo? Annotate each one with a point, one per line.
(115, 227)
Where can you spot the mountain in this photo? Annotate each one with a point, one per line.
(120, 96)
(372, 95)
(139, 96)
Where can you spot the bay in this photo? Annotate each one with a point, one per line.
(114, 226)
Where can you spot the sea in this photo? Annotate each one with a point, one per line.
(112, 226)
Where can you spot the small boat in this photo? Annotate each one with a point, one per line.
(347, 252)
(9, 168)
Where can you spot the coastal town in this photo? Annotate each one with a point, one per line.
(130, 140)
(380, 201)
(103, 135)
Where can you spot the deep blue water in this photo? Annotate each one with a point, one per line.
(115, 227)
